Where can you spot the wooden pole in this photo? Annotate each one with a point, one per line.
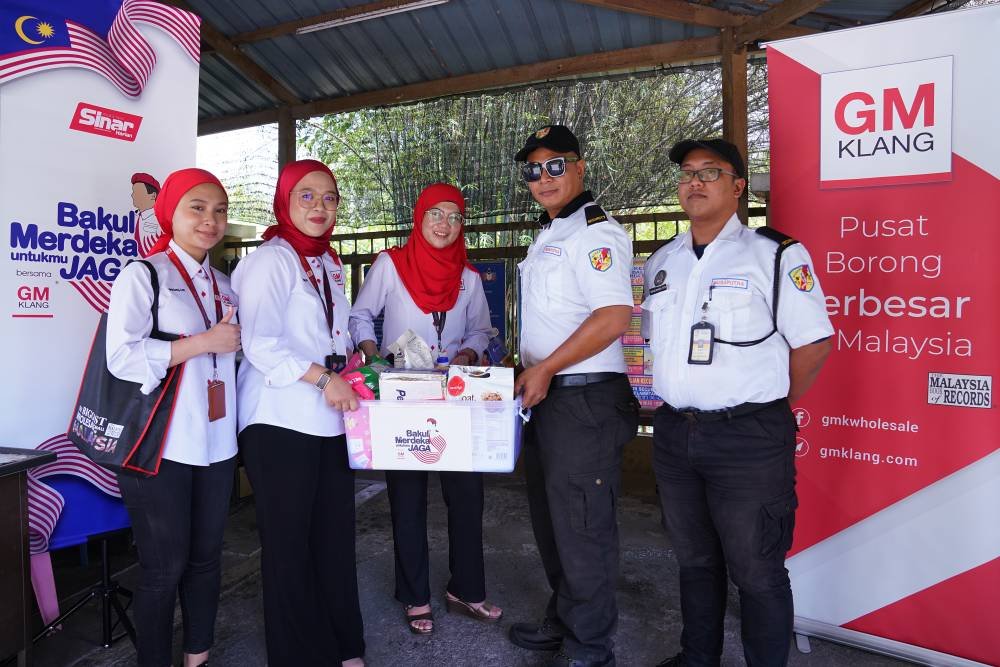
(286, 137)
(734, 99)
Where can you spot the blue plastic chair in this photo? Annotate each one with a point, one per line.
(90, 514)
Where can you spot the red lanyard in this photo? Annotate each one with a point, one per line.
(194, 292)
(326, 296)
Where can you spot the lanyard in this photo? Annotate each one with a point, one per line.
(175, 260)
(439, 320)
(326, 296)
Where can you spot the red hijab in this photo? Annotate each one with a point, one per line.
(175, 187)
(432, 276)
(305, 245)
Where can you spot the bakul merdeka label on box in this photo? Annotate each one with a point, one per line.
(965, 391)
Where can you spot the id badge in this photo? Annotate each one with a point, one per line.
(216, 400)
(335, 362)
(702, 343)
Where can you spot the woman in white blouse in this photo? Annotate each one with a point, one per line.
(429, 287)
(291, 400)
(178, 515)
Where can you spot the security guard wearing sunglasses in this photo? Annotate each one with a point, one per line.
(738, 328)
(576, 302)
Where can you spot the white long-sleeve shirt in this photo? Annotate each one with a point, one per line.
(284, 331)
(467, 324)
(134, 356)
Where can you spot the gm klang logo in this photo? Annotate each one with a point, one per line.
(105, 122)
(32, 297)
(886, 125)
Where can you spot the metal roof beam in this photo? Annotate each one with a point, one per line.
(773, 19)
(692, 14)
(225, 48)
(643, 57)
(672, 10)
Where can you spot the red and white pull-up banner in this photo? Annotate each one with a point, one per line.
(886, 163)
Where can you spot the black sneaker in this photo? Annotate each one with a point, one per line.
(675, 661)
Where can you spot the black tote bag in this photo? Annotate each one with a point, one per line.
(114, 424)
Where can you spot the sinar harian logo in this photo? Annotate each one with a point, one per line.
(886, 125)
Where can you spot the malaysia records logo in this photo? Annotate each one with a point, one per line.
(964, 391)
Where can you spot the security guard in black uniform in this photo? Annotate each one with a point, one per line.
(738, 328)
(576, 302)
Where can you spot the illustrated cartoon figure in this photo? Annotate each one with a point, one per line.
(437, 442)
(145, 188)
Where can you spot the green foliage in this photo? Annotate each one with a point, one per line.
(384, 157)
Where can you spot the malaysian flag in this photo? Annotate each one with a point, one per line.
(45, 504)
(437, 442)
(102, 37)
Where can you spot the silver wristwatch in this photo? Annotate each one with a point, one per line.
(324, 380)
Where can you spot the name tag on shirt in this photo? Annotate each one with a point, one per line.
(552, 250)
(731, 283)
(702, 343)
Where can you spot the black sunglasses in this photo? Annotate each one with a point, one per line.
(556, 167)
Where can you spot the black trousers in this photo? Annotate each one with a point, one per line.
(463, 496)
(727, 491)
(572, 454)
(178, 517)
(304, 493)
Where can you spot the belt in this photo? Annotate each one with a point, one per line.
(695, 415)
(582, 379)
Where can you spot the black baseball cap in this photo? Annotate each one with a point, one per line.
(727, 151)
(556, 138)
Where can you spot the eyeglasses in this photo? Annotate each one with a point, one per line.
(556, 167)
(706, 175)
(308, 199)
(437, 215)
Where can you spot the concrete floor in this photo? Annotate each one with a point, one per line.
(649, 627)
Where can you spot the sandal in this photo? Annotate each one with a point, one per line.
(482, 613)
(410, 618)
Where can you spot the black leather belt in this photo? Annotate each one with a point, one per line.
(694, 415)
(582, 379)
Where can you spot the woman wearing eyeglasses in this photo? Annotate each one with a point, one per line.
(429, 287)
(291, 401)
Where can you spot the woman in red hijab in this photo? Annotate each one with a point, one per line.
(429, 287)
(291, 401)
(178, 514)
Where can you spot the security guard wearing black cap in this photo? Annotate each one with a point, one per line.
(576, 302)
(738, 328)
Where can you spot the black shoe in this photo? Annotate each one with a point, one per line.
(562, 660)
(535, 637)
(675, 661)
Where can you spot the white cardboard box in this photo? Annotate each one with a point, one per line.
(479, 436)
(411, 385)
(480, 383)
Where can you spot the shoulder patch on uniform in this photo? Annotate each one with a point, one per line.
(802, 278)
(600, 258)
(594, 214)
(773, 234)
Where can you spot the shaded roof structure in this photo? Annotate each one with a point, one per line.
(266, 61)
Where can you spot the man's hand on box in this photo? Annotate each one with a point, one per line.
(532, 385)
